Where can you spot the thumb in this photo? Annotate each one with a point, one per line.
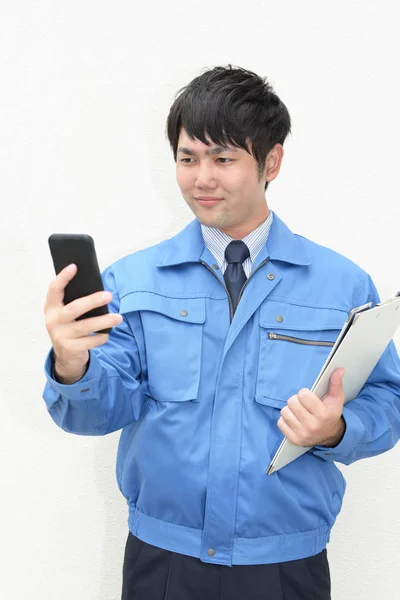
(335, 393)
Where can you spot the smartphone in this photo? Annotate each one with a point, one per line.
(78, 248)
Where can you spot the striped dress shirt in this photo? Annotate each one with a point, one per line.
(216, 241)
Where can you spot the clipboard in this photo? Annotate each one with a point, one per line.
(376, 326)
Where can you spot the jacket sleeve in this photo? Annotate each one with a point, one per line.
(110, 394)
(373, 418)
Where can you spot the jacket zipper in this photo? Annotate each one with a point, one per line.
(241, 291)
(250, 276)
(226, 289)
(278, 336)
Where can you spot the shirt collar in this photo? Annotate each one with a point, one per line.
(188, 245)
(217, 241)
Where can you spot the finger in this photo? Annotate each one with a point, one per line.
(93, 324)
(79, 345)
(335, 383)
(291, 420)
(297, 408)
(287, 431)
(310, 402)
(80, 306)
(55, 293)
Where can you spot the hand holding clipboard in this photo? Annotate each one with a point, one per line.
(358, 348)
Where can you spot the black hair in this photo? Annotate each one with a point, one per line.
(228, 105)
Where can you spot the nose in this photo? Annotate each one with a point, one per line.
(205, 176)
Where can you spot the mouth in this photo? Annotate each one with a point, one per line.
(208, 200)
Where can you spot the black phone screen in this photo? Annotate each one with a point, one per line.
(78, 248)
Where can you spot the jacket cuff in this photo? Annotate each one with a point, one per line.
(84, 389)
(352, 436)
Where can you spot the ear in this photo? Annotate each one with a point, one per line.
(273, 162)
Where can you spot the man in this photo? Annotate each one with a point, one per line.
(218, 334)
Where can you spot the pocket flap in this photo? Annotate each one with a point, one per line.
(188, 310)
(267, 401)
(282, 315)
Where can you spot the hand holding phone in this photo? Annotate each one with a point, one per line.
(71, 308)
(78, 249)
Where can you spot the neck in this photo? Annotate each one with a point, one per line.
(240, 232)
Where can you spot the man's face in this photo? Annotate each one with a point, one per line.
(231, 176)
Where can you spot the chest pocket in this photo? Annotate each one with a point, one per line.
(295, 342)
(173, 336)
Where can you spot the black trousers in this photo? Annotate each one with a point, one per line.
(151, 573)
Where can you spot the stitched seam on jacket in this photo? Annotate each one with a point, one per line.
(304, 303)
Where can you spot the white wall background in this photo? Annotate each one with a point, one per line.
(85, 89)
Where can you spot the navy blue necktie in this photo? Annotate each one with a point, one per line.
(235, 254)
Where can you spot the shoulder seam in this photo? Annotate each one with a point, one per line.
(361, 288)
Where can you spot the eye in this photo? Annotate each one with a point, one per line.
(184, 160)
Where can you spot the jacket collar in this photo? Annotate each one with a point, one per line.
(188, 245)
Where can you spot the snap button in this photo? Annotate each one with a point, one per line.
(279, 318)
(211, 552)
(85, 390)
(215, 266)
(271, 276)
(184, 313)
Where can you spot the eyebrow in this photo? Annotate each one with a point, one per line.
(215, 150)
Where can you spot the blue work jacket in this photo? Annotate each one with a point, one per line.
(198, 394)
